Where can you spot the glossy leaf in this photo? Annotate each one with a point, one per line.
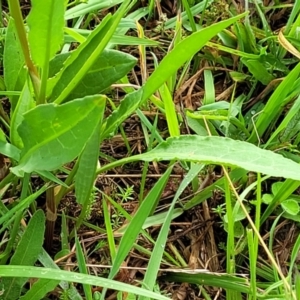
(54, 135)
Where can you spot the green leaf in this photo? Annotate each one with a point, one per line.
(109, 67)
(82, 268)
(24, 104)
(136, 223)
(218, 150)
(22, 205)
(184, 51)
(40, 288)
(274, 105)
(13, 63)
(36, 272)
(86, 173)
(290, 206)
(267, 198)
(225, 281)
(238, 227)
(258, 70)
(224, 151)
(46, 23)
(276, 187)
(157, 253)
(90, 6)
(10, 150)
(54, 135)
(83, 58)
(26, 254)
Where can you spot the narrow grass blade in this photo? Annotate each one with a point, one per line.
(273, 106)
(138, 221)
(225, 281)
(184, 51)
(171, 115)
(157, 253)
(209, 87)
(83, 58)
(22, 205)
(83, 268)
(36, 272)
(91, 6)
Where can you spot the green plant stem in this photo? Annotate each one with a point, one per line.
(63, 190)
(15, 11)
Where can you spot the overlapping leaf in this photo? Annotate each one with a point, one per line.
(53, 135)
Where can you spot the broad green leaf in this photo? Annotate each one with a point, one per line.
(26, 254)
(109, 67)
(224, 151)
(219, 150)
(40, 288)
(290, 206)
(13, 63)
(183, 52)
(86, 173)
(83, 58)
(46, 23)
(37, 272)
(24, 104)
(54, 135)
(267, 198)
(276, 187)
